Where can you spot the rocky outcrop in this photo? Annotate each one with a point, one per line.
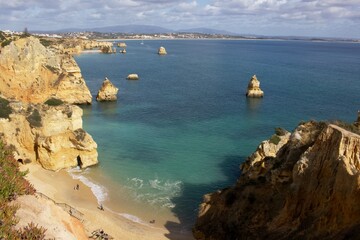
(51, 135)
(107, 92)
(162, 51)
(305, 187)
(133, 76)
(253, 89)
(108, 49)
(30, 72)
(122, 45)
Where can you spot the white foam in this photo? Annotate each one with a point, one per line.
(99, 191)
(132, 218)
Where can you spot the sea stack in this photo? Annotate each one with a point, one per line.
(107, 92)
(253, 89)
(162, 51)
(132, 76)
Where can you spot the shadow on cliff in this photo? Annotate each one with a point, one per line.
(186, 208)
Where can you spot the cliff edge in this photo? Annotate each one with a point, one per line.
(303, 185)
(32, 73)
(51, 135)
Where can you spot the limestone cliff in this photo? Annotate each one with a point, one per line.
(300, 186)
(107, 92)
(51, 135)
(253, 89)
(32, 73)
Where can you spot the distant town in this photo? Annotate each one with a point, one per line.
(175, 35)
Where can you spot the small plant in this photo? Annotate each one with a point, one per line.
(280, 131)
(6, 42)
(275, 139)
(80, 134)
(54, 102)
(32, 231)
(5, 109)
(34, 118)
(45, 42)
(12, 184)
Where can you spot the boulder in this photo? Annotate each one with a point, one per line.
(107, 92)
(162, 51)
(132, 76)
(253, 89)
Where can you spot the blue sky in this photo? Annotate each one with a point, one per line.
(333, 18)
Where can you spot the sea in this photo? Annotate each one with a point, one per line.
(183, 129)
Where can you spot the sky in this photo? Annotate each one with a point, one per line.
(322, 18)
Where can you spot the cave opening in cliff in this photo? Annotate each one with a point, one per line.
(79, 162)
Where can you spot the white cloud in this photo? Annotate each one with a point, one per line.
(250, 16)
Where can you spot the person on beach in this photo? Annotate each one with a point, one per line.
(77, 186)
(101, 207)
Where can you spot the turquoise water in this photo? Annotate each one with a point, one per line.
(183, 129)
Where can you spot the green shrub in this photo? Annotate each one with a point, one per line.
(12, 184)
(280, 131)
(2, 36)
(275, 139)
(32, 231)
(45, 42)
(34, 118)
(54, 102)
(6, 42)
(5, 109)
(347, 126)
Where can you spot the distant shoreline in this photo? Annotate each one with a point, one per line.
(227, 39)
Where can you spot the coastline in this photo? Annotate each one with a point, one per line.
(60, 187)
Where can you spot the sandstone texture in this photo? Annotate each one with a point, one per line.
(32, 73)
(303, 185)
(107, 92)
(51, 135)
(253, 89)
(162, 51)
(58, 223)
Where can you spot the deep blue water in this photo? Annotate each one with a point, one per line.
(183, 129)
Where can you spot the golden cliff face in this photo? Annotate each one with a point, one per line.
(51, 135)
(308, 189)
(31, 73)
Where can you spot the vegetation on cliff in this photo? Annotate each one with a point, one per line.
(13, 184)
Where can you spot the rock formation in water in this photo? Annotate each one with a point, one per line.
(121, 45)
(108, 49)
(107, 92)
(132, 76)
(253, 89)
(51, 135)
(30, 72)
(304, 185)
(162, 51)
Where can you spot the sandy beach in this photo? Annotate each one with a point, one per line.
(60, 187)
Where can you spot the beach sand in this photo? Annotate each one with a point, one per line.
(60, 187)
